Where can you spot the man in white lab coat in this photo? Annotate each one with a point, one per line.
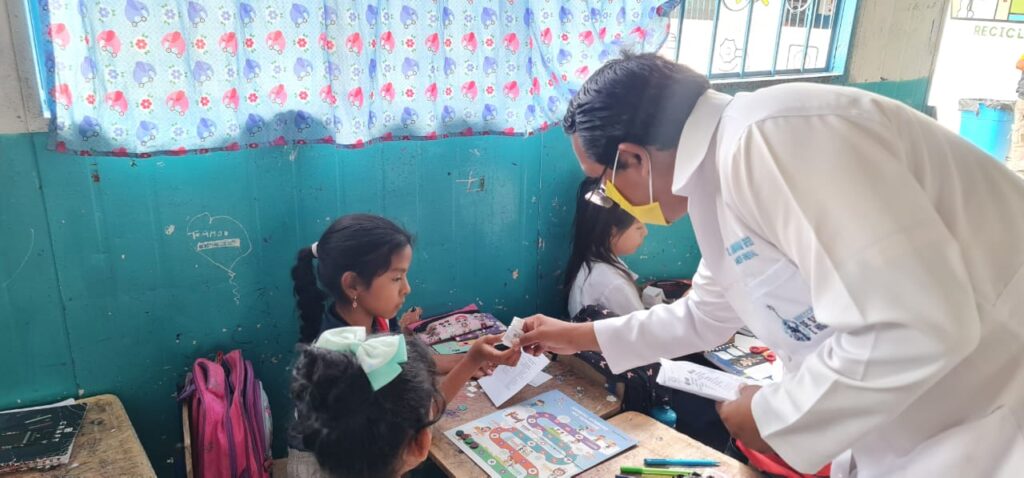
(879, 255)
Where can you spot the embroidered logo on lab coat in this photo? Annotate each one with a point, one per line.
(742, 250)
(801, 327)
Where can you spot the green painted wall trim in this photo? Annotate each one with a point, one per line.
(913, 93)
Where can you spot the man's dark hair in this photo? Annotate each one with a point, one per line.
(641, 99)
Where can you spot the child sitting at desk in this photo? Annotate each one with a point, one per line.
(362, 264)
(601, 286)
(595, 274)
(364, 406)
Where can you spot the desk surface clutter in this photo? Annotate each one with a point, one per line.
(581, 384)
(105, 446)
(569, 375)
(659, 441)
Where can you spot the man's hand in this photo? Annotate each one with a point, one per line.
(545, 334)
(739, 419)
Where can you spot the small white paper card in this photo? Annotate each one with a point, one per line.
(514, 332)
(699, 380)
(507, 381)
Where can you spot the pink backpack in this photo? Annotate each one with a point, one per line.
(230, 419)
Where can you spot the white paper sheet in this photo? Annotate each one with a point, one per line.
(760, 372)
(507, 381)
(539, 380)
(699, 380)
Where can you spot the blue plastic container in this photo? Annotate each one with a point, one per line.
(987, 124)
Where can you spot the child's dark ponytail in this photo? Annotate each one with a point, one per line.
(359, 243)
(308, 296)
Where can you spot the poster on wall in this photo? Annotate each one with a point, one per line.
(991, 10)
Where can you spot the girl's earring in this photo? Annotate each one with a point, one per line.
(355, 302)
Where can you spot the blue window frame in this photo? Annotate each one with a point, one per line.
(37, 18)
(731, 39)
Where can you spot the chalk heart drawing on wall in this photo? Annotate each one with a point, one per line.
(221, 240)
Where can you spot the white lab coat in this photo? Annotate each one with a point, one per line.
(605, 285)
(879, 255)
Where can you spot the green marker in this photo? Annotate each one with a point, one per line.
(639, 470)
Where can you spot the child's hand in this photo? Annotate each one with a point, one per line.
(410, 317)
(481, 358)
(485, 370)
(483, 351)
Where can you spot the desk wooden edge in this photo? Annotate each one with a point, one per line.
(116, 401)
(187, 438)
(730, 467)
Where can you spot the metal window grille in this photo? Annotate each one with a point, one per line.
(754, 38)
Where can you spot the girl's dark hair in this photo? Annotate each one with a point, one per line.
(592, 231)
(353, 431)
(358, 243)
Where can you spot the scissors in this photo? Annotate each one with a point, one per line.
(765, 352)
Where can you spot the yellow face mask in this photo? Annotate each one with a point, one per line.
(648, 213)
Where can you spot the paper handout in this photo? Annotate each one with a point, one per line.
(507, 381)
(699, 380)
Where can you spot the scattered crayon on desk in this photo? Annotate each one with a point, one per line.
(679, 462)
(639, 470)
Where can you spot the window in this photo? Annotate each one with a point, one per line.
(760, 38)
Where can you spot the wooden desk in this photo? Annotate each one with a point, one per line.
(659, 441)
(570, 375)
(105, 446)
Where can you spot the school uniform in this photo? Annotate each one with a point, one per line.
(603, 284)
(879, 255)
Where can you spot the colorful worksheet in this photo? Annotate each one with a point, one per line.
(549, 435)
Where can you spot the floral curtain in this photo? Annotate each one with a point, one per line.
(144, 77)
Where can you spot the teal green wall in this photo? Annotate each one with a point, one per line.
(99, 294)
(912, 92)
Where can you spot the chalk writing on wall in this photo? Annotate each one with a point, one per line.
(221, 240)
(31, 244)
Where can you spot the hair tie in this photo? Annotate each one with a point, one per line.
(313, 248)
(380, 357)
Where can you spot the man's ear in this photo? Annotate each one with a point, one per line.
(632, 155)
